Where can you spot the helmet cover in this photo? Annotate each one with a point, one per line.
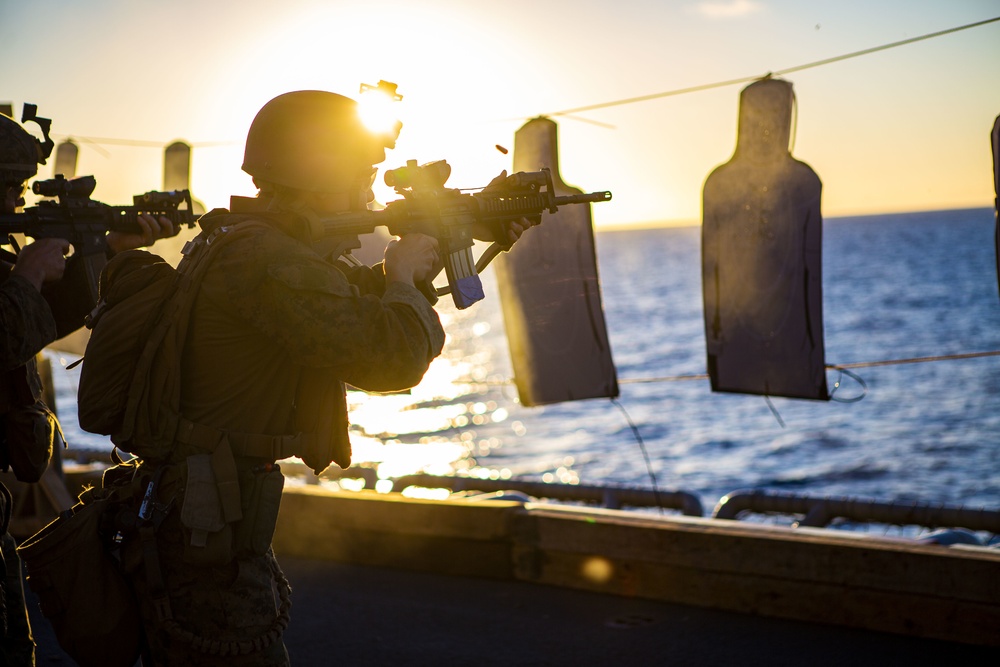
(20, 152)
(312, 140)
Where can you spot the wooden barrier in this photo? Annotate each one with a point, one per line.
(458, 538)
(831, 577)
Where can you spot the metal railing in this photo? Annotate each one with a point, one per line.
(815, 511)
(821, 511)
(605, 495)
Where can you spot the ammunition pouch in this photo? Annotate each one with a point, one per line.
(226, 514)
(211, 537)
(31, 432)
(208, 537)
(213, 529)
(261, 499)
(81, 588)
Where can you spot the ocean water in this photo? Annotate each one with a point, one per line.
(896, 287)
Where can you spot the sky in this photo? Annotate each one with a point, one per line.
(902, 129)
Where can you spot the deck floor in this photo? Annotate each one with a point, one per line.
(357, 616)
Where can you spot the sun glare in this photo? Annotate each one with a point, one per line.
(377, 107)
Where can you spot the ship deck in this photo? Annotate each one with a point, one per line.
(360, 615)
(380, 579)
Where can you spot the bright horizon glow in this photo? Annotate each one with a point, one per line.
(899, 130)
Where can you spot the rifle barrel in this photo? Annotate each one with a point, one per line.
(592, 197)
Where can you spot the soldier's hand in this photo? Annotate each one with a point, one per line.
(511, 231)
(42, 261)
(497, 183)
(516, 228)
(411, 259)
(152, 229)
(507, 233)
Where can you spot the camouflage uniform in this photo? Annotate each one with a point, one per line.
(26, 322)
(272, 317)
(271, 309)
(26, 326)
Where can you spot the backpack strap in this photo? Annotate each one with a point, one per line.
(190, 272)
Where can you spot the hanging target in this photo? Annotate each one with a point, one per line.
(67, 154)
(762, 258)
(550, 293)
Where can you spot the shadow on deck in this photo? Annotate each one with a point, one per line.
(356, 615)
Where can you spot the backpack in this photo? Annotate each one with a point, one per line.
(129, 384)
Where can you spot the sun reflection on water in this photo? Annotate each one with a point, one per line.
(435, 427)
(460, 418)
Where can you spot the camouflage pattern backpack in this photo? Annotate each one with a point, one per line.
(129, 383)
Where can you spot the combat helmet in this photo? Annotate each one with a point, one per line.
(315, 141)
(20, 152)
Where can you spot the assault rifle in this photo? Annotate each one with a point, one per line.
(450, 216)
(75, 217)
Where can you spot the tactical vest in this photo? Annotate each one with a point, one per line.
(130, 381)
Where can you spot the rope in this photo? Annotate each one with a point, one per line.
(836, 367)
(97, 141)
(787, 70)
(837, 385)
(670, 378)
(140, 143)
(915, 360)
(645, 453)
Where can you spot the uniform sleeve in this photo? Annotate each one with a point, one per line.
(368, 279)
(26, 322)
(371, 280)
(374, 341)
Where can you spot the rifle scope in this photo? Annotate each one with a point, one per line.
(77, 188)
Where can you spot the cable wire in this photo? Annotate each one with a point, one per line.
(916, 360)
(836, 367)
(139, 143)
(603, 105)
(787, 70)
(645, 453)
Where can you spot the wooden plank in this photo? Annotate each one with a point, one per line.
(451, 537)
(882, 610)
(311, 506)
(823, 556)
(820, 576)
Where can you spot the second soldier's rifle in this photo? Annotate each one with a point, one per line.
(451, 215)
(77, 218)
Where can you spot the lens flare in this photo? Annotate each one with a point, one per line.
(377, 107)
(597, 570)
